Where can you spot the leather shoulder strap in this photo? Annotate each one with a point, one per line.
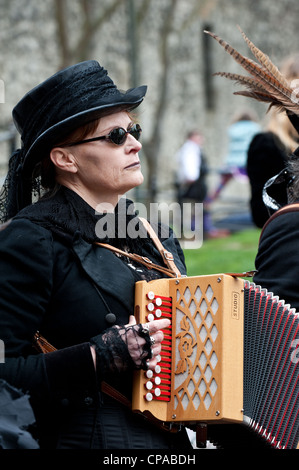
(166, 255)
(170, 270)
(140, 259)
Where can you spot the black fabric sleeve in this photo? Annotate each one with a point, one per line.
(266, 158)
(277, 260)
(25, 286)
(26, 264)
(73, 369)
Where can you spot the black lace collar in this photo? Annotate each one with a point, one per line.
(67, 214)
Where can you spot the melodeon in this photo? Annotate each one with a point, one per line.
(230, 357)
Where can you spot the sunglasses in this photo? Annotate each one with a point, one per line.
(117, 136)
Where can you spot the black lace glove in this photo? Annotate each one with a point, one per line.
(128, 347)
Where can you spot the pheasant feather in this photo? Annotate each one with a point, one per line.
(265, 60)
(266, 83)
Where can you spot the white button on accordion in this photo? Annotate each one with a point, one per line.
(229, 356)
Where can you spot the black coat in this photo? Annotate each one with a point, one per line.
(64, 286)
(267, 156)
(276, 260)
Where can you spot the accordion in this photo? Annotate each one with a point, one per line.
(230, 357)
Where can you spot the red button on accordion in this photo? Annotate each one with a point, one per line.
(229, 356)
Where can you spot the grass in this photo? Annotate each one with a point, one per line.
(235, 253)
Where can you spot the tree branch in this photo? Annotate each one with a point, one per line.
(90, 27)
(60, 16)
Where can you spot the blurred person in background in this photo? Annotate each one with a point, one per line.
(191, 168)
(191, 180)
(240, 133)
(268, 153)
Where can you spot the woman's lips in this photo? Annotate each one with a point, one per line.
(132, 165)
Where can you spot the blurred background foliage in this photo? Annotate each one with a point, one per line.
(234, 254)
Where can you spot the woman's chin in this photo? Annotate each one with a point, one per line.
(139, 178)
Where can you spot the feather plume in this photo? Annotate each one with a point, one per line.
(265, 60)
(266, 83)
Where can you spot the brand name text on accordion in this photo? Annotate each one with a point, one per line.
(235, 305)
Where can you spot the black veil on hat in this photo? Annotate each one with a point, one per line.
(67, 100)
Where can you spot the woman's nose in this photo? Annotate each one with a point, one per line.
(134, 143)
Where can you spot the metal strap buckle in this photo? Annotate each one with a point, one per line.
(168, 255)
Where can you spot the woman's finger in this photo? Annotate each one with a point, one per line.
(156, 349)
(156, 325)
(157, 337)
(132, 320)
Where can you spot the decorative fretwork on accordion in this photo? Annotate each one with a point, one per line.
(229, 356)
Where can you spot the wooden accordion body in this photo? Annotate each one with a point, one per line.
(228, 356)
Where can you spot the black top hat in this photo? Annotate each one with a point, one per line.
(48, 113)
(69, 99)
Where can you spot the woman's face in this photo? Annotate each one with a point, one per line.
(103, 171)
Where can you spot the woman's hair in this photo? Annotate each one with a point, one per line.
(280, 125)
(279, 122)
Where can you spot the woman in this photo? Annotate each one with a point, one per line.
(80, 154)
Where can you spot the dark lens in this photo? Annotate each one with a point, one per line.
(118, 135)
(135, 131)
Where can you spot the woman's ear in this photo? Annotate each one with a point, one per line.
(63, 159)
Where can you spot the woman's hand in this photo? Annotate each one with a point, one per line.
(140, 344)
(137, 344)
